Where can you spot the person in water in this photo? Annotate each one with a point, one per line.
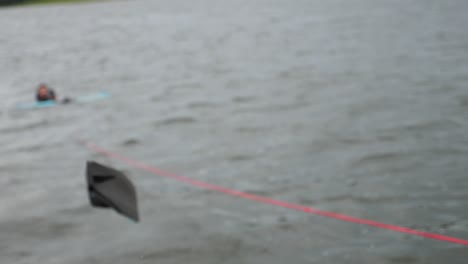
(45, 93)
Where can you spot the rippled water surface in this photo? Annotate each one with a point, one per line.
(358, 107)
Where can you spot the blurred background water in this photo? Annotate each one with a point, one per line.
(358, 107)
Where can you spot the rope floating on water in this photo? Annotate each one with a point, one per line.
(278, 203)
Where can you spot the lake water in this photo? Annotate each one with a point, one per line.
(357, 107)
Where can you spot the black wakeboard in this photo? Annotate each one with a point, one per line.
(110, 188)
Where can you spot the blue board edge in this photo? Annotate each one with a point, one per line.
(80, 99)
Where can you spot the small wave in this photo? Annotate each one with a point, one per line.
(238, 158)
(463, 101)
(448, 151)
(11, 167)
(275, 108)
(404, 259)
(21, 254)
(16, 129)
(243, 99)
(389, 162)
(198, 105)
(416, 129)
(387, 138)
(158, 98)
(215, 246)
(306, 201)
(278, 190)
(169, 253)
(176, 121)
(131, 142)
(183, 85)
(364, 199)
(287, 226)
(296, 73)
(31, 148)
(379, 157)
(244, 129)
(40, 228)
(353, 140)
(431, 125)
(258, 192)
(80, 210)
(35, 147)
(303, 53)
(360, 140)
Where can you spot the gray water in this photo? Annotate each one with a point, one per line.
(358, 107)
